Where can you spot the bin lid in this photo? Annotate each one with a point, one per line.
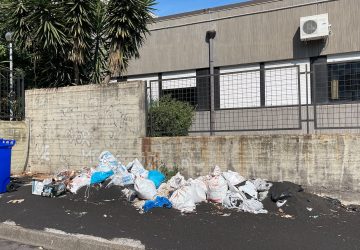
(7, 143)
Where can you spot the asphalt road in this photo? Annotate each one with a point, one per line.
(108, 215)
(10, 245)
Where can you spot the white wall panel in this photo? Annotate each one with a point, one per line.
(240, 90)
(187, 80)
(281, 84)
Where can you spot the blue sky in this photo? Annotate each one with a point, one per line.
(169, 7)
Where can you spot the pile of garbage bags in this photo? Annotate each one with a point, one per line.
(147, 189)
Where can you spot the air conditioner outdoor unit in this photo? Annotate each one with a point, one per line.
(314, 27)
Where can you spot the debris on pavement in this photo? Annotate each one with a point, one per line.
(148, 189)
(16, 201)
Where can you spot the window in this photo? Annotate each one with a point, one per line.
(344, 81)
(182, 94)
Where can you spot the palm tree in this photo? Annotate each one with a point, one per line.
(126, 30)
(78, 41)
(79, 15)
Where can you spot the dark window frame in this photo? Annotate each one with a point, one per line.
(345, 82)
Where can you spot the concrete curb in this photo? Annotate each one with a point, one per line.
(54, 239)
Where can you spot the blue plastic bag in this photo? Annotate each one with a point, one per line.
(158, 202)
(157, 177)
(98, 177)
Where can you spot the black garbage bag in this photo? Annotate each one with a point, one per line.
(284, 190)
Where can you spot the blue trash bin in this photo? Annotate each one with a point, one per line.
(5, 163)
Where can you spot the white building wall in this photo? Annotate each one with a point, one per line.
(150, 80)
(187, 80)
(281, 84)
(240, 90)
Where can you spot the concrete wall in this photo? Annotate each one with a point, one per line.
(71, 126)
(324, 164)
(249, 34)
(16, 130)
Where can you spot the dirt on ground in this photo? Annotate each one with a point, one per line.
(305, 221)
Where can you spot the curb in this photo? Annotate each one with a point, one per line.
(54, 239)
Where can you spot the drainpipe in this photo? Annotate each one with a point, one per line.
(210, 35)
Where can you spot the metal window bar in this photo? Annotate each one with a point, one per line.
(336, 93)
(238, 104)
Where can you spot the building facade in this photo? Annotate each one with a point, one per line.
(266, 77)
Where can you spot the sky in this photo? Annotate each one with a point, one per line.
(169, 7)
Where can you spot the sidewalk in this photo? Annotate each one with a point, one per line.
(109, 216)
(10, 245)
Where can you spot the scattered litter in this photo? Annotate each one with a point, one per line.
(16, 201)
(78, 182)
(177, 181)
(54, 190)
(250, 189)
(280, 203)
(137, 169)
(147, 189)
(157, 177)
(182, 199)
(37, 187)
(217, 186)
(309, 209)
(98, 177)
(287, 216)
(158, 202)
(233, 177)
(314, 216)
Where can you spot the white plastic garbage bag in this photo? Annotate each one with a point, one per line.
(122, 179)
(249, 189)
(145, 189)
(232, 200)
(261, 185)
(138, 169)
(182, 199)
(233, 178)
(78, 182)
(253, 206)
(198, 188)
(262, 195)
(107, 162)
(217, 188)
(216, 171)
(177, 181)
(164, 190)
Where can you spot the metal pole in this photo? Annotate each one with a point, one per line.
(212, 88)
(210, 35)
(11, 82)
(307, 101)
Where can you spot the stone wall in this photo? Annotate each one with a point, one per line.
(16, 130)
(324, 164)
(71, 126)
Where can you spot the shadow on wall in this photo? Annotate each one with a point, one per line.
(307, 49)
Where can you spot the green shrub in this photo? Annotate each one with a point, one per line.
(168, 172)
(169, 117)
